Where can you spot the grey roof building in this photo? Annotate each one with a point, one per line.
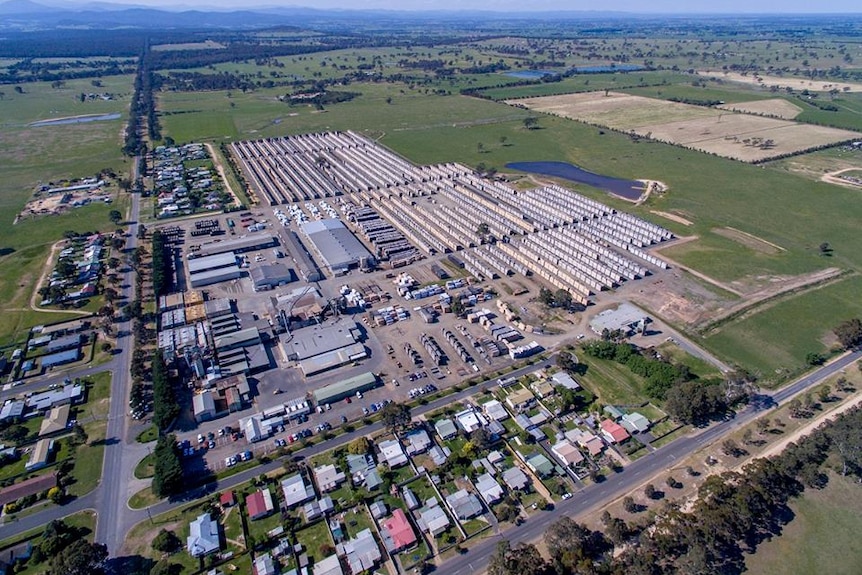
(203, 536)
(464, 504)
(337, 246)
(271, 276)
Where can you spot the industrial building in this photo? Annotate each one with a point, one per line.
(60, 358)
(305, 265)
(626, 318)
(346, 388)
(321, 348)
(271, 276)
(248, 243)
(215, 276)
(337, 246)
(214, 262)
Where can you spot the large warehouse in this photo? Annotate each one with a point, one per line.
(215, 262)
(214, 276)
(345, 388)
(337, 246)
(239, 245)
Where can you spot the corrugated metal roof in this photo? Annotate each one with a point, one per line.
(338, 247)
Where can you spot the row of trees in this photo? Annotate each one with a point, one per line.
(162, 275)
(168, 478)
(165, 406)
(733, 514)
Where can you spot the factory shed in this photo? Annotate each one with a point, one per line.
(337, 246)
(213, 262)
(271, 276)
(215, 276)
(239, 245)
(345, 388)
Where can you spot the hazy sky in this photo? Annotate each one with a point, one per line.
(640, 6)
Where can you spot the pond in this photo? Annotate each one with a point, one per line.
(530, 74)
(628, 189)
(76, 120)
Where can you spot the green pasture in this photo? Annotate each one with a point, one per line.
(776, 340)
(586, 83)
(820, 538)
(33, 155)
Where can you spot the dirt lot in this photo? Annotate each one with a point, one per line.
(795, 83)
(729, 134)
(777, 107)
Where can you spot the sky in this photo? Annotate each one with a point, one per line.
(637, 6)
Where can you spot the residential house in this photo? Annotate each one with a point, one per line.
(203, 536)
(613, 432)
(317, 508)
(542, 389)
(515, 479)
(635, 422)
(328, 478)
(615, 413)
(296, 491)
(378, 509)
(445, 429)
(566, 380)
(567, 453)
(392, 453)
(488, 488)
(360, 553)
(520, 399)
(328, 566)
(470, 420)
(264, 565)
(464, 504)
(439, 455)
(397, 532)
(418, 441)
(227, 499)
(540, 465)
(587, 440)
(495, 410)
(410, 499)
(359, 466)
(259, 504)
(433, 519)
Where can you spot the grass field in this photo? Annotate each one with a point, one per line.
(85, 520)
(29, 156)
(822, 538)
(778, 338)
(588, 83)
(611, 382)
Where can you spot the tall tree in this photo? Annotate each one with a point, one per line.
(396, 416)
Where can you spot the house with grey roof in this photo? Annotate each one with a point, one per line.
(392, 453)
(464, 504)
(360, 553)
(418, 441)
(433, 519)
(515, 479)
(488, 488)
(296, 491)
(445, 428)
(203, 536)
(328, 477)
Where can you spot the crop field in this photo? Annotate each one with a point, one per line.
(738, 136)
(777, 107)
(785, 82)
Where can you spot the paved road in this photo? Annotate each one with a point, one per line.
(476, 560)
(110, 498)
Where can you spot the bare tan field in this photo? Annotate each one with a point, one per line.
(616, 110)
(795, 83)
(733, 135)
(777, 107)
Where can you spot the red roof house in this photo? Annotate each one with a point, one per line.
(613, 431)
(259, 504)
(397, 532)
(227, 499)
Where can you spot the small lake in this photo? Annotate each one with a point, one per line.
(604, 68)
(75, 120)
(530, 74)
(628, 189)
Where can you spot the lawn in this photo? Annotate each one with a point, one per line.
(145, 467)
(613, 383)
(820, 539)
(312, 538)
(698, 367)
(775, 340)
(355, 520)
